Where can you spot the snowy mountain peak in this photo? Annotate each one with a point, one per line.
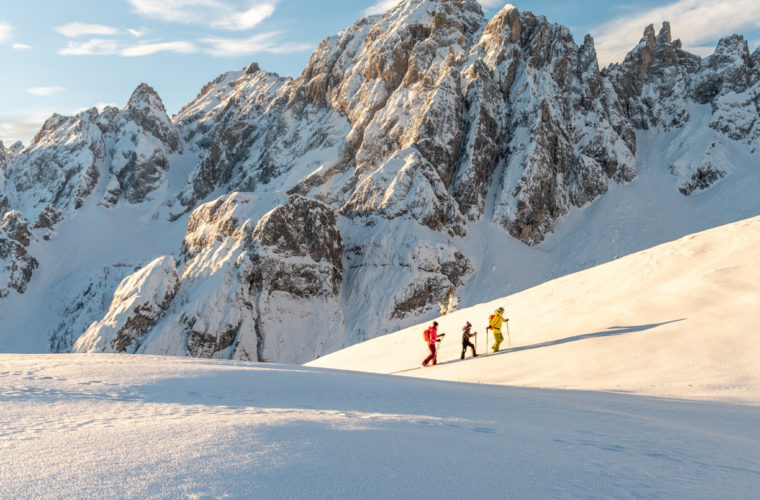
(146, 109)
(664, 36)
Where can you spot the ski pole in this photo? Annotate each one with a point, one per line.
(437, 347)
(508, 336)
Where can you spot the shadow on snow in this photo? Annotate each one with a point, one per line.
(611, 331)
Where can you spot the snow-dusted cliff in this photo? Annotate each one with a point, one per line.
(419, 150)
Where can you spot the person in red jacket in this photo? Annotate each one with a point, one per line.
(431, 336)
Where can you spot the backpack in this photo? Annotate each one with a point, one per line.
(426, 335)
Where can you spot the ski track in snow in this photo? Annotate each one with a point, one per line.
(84, 426)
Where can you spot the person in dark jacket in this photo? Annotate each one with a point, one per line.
(466, 336)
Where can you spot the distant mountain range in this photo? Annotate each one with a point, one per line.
(422, 150)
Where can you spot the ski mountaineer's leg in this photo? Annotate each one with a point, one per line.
(431, 356)
(464, 350)
(498, 339)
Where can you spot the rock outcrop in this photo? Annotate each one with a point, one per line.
(16, 264)
(126, 152)
(138, 303)
(252, 287)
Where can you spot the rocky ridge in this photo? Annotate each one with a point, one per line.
(403, 132)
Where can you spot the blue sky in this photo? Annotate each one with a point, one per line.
(67, 55)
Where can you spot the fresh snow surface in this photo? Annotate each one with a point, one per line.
(124, 426)
(678, 320)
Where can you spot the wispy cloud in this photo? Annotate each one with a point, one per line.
(93, 47)
(111, 47)
(147, 49)
(21, 46)
(5, 31)
(21, 126)
(380, 7)
(385, 5)
(74, 30)
(44, 91)
(136, 33)
(493, 3)
(698, 23)
(214, 13)
(263, 42)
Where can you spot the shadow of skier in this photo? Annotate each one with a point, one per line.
(610, 332)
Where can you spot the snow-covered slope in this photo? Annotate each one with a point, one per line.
(677, 320)
(123, 426)
(440, 149)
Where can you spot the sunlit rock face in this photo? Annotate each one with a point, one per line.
(16, 265)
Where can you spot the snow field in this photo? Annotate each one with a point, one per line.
(106, 426)
(678, 320)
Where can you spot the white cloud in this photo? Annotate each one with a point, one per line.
(147, 49)
(493, 3)
(136, 33)
(94, 47)
(697, 23)
(21, 126)
(214, 13)
(21, 46)
(380, 7)
(109, 47)
(5, 31)
(74, 30)
(384, 5)
(44, 91)
(264, 42)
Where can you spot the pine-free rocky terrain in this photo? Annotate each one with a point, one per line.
(282, 219)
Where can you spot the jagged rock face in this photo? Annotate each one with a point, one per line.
(144, 139)
(138, 303)
(69, 156)
(248, 289)
(16, 265)
(434, 91)
(48, 218)
(62, 165)
(406, 184)
(560, 152)
(658, 82)
(84, 302)
(727, 82)
(661, 67)
(3, 158)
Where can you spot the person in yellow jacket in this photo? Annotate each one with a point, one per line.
(495, 325)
